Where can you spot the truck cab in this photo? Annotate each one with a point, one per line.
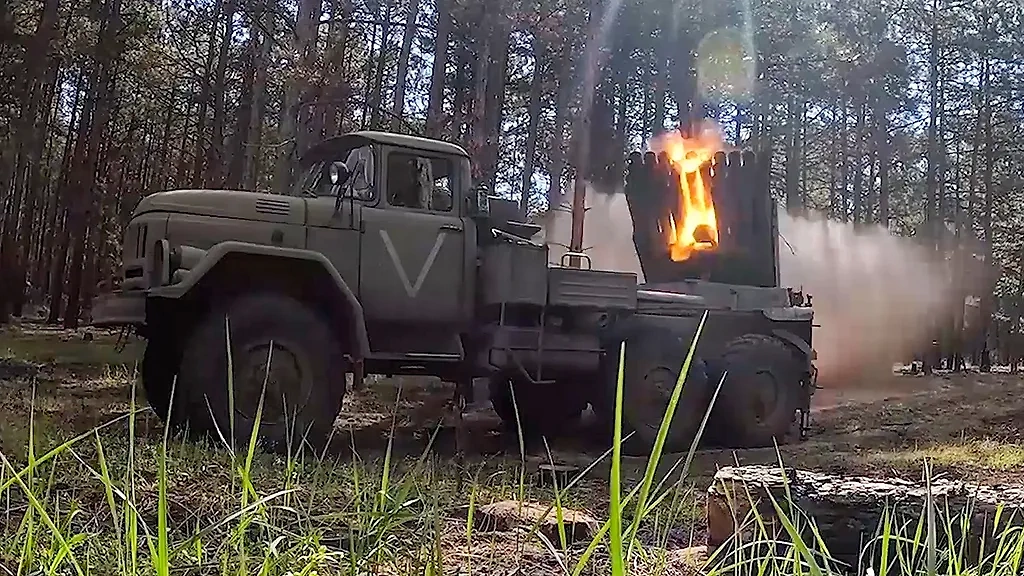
(395, 215)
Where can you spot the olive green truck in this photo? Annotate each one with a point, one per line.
(383, 258)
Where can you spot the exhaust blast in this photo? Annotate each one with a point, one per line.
(876, 296)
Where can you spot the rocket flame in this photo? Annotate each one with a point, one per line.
(698, 230)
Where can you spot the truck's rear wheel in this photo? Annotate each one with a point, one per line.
(654, 359)
(760, 394)
(545, 410)
(304, 382)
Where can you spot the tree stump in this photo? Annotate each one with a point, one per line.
(848, 512)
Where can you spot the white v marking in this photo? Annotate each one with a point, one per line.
(412, 289)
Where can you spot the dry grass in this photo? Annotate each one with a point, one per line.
(55, 385)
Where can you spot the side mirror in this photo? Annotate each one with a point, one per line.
(479, 201)
(338, 172)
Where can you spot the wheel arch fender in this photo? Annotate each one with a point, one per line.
(798, 344)
(219, 255)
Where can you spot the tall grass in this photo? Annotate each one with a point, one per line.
(111, 502)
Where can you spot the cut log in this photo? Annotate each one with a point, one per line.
(848, 512)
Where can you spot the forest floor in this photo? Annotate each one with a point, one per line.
(56, 384)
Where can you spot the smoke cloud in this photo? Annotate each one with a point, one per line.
(875, 295)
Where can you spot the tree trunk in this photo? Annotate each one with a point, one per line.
(497, 74)
(199, 157)
(377, 96)
(217, 151)
(660, 84)
(259, 103)
(931, 180)
(39, 77)
(437, 71)
(557, 152)
(289, 130)
(398, 105)
(540, 58)
(884, 159)
(339, 90)
(793, 156)
(858, 166)
(991, 271)
(461, 89)
(844, 165)
(83, 200)
(243, 116)
(477, 125)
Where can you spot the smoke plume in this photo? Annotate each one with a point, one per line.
(875, 295)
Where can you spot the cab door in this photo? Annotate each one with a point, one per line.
(412, 266)
(333, 224)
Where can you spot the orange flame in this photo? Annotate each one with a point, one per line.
(698, 230)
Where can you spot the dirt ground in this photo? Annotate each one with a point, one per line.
(968, 425)
(971, 421)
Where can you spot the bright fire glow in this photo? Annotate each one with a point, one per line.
(699, 229)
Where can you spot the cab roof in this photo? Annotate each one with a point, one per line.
(352, 140)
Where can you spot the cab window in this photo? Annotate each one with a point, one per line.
(420, 182)
(358, 162)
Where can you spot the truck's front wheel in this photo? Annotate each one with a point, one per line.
(159, 367)
(286, 366)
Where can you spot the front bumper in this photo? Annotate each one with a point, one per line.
(119, 308)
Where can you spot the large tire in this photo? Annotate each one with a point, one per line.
(545, 410)
(305, 387)
(654, 359)
(159, 367)
(761, 392)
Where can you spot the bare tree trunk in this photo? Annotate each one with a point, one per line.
(844, 165)
(884, 159)
(83, 200)
(259, 103)
(217, 152)
(243, 116)
(557, 152)
(200, 154)
(660, 84)
(461, 89)
(39, 77)
(497, 73)
(858, 154)
(398, 105)
(288, 133)
(986, 220)
(339, 89)
(540, 57)
(793, 156)
(437, 71)
(931, 179)
(377, 96)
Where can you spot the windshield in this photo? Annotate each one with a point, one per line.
(315, 180)
(309, 181)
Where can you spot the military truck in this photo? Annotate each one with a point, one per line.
(384, 258)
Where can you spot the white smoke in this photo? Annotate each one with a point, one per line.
(607, 232)
(875, 295)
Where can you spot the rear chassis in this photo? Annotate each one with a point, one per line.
(550, 325)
